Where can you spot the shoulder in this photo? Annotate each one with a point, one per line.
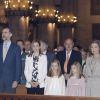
(62, 77)
(42, 56)
(47, 77)
(76, 52)
(15, 45)
(28, 57)
(1, 44)
(50, 53)
(82, 79)
(61, 53)
(89, 59)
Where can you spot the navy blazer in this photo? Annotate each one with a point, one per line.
(75, 56)
(50, 58)
(10, 69)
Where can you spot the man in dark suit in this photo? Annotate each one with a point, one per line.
(68, 56)
(10, 63)
(50, 55)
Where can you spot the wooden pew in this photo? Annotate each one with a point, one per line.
(40, 97)
(21, 89)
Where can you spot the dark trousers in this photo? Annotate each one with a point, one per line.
(36, 90)
(5, 88)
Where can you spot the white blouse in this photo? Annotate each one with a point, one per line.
(54, 85)
(42, 70)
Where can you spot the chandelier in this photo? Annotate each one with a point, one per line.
(18, 4)
(67, 19)
(46, 13)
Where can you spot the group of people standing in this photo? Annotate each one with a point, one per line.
(69, 72)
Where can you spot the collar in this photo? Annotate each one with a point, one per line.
(69, 52)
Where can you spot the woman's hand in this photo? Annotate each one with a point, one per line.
(34, 84)
(66, 76)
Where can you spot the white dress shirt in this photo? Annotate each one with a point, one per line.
(69, 54)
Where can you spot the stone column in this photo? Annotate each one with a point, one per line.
(19, 27)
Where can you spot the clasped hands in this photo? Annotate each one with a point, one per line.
(34, 84)
(66, 76)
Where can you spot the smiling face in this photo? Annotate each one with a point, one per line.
(35, 47)
(69, 44)
(54, 67)
(74, 70)
(6, 34)
(95, 49)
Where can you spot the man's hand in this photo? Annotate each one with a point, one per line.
(14, 84)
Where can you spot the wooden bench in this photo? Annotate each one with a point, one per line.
(41, 97)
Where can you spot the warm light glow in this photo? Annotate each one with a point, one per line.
(16, 4)
(36, 11)
(67, 18)
(51, 14)
(6, 6)
(23, 6)
(9, 1)
(43, 14)
(56, 15)
(31, 2)
(28, 1)
(46, 12)
(19, 1)
(30, 7)
(51, 27)
(36, 15)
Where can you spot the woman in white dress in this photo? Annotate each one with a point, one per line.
(92, 71)
(55, 82)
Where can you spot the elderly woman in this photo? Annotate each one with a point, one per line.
(92, 70)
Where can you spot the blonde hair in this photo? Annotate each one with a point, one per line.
(50, 72)
(79, 68)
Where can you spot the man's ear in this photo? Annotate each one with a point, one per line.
(64, 44)
(11, 34)
(73, 44)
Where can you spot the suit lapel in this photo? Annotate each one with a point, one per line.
(9, 52)
(1, 49)
(64, 55)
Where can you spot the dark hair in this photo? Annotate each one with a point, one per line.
(7, 27)
(69, 39)
(79, 67)
(20, 41)
(50, 72)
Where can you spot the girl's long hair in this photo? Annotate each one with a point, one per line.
(79, 68)
(50, 72)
